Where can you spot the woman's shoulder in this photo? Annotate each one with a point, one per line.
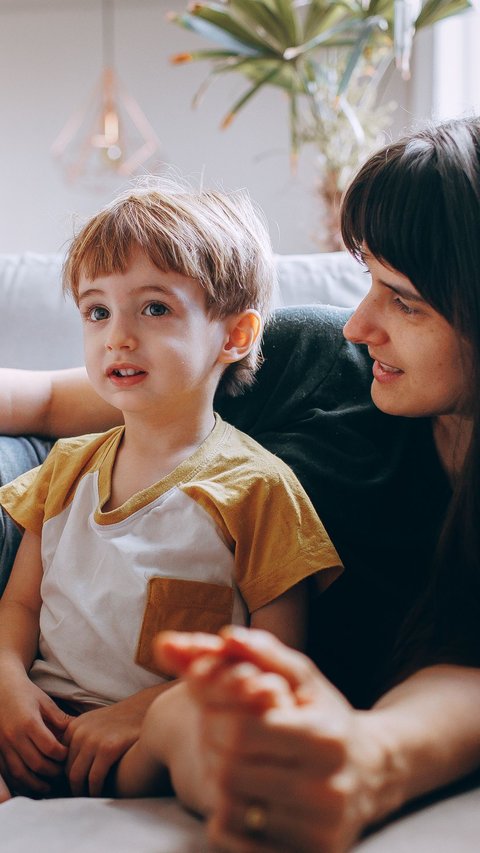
(306, 363)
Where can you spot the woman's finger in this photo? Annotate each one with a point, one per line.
(175, 651)
(287, 826)
(221, 840)
(237, 685)
(270, 654)
(4, 791)
(287, 736)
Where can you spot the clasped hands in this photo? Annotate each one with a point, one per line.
(40, 744)
(289, 764)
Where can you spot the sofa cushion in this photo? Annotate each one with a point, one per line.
(39, 327)
(329, 278)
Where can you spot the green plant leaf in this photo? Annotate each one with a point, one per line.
(261, 17)
(346, 27)
(436, 10)
(195, 55)
(283, 44)
(294, 134)
(267, 78)
(224, 25)
(321, 16)
(257, 68)
(369, 25)
(246, 65)
(212, 32)
(287, 15)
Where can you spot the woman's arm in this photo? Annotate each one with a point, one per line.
(322, 771)
(52, 403)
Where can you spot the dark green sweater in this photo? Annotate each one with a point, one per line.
(375, 481)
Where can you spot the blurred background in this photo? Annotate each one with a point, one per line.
(53, 54)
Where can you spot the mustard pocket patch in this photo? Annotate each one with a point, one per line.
(181, 605)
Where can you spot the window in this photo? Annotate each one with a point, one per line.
(456, 66)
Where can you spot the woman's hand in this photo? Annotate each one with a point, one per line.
(4, 792)
(280, 737)
(291, 766)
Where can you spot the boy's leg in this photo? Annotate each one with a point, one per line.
(16, 456)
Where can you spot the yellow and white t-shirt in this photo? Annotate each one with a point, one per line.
(229, 530)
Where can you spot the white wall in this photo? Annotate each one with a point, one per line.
(50, 60)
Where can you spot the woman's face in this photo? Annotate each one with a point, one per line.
(420, 362)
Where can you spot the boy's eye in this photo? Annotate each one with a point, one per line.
(98, 313)
(155, 309)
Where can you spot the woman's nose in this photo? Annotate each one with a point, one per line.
(365, 326)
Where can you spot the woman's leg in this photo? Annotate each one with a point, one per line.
(16, 456)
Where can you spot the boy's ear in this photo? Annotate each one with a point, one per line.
(243, 330)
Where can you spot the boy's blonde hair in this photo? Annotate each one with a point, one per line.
(217, 238)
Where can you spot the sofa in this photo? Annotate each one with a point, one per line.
(40, 329)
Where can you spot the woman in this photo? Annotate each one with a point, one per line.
(292, 765)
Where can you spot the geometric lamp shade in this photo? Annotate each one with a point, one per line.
(109, 134)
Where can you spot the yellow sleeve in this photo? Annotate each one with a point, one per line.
(44, 492)
(280, 540)
(24, 498)
(266, 518)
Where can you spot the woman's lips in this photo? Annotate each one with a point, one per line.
(385, 373)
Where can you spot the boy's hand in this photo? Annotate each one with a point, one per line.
(97, 739)
(30, 725)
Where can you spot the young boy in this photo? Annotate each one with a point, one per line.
(175, 520)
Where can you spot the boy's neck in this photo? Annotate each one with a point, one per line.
(152, 449)
(165, 434)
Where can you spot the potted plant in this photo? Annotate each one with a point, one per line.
(328, 56)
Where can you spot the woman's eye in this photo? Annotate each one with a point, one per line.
(155, 309)
(97, 313)
(402, 306)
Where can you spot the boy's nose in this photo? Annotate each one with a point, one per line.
(120, 336)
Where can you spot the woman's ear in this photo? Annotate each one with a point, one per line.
(243, 330)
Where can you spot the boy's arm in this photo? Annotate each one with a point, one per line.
(52, 403)
(97, 739)
(169, 729)
(285, 617)
(28, 746)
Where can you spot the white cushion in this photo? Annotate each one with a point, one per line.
(328, 278)
(39, 327)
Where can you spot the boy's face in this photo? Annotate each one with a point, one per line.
(149, 340)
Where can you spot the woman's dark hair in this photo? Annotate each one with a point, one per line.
(415, 205)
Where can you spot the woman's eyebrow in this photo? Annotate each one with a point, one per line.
(403, 291)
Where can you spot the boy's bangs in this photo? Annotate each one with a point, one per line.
(106, 246)
(105, 252)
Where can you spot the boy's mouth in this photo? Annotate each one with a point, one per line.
(125, 371)
(125, 375)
